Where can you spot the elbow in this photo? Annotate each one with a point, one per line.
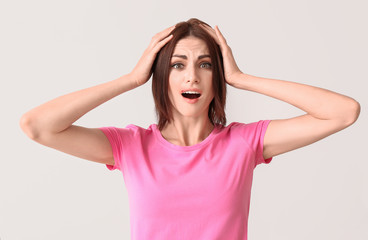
(352, 113)
(27, 125)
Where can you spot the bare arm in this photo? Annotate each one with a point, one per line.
(327, 112)
(58, 114)
(51, 123)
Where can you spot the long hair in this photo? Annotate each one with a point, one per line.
(161, 70)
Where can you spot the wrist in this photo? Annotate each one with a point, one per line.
(127, 82)
(236, 79)
(242, 81)
(133, 80)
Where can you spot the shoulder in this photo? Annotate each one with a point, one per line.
(136, 128)
(247, 131)
(141, 130)
(238, 126)
(130, 131)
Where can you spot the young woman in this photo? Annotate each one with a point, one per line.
(190, 175)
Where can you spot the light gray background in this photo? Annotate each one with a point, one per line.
(50, 48)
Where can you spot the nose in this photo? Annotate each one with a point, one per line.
(191, 74)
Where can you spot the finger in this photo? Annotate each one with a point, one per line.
(167, 30)
(220, 36)
(163, 34)
(211, 31)
(162, 43)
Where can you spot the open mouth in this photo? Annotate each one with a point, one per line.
(191, 95)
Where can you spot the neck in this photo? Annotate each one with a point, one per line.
(187, 132)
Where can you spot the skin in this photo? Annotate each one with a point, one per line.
(51, 124)
(189, 70)
(327, 112)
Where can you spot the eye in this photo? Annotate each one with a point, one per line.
(177, 65)
(206, 65)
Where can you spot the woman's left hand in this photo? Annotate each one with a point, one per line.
(232, 72)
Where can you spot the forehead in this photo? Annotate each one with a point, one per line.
(191, 44)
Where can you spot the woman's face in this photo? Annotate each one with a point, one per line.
(190, 78)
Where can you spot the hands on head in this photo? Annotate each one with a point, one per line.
(231, 69)
(143, 70)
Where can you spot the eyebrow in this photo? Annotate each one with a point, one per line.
(185, 57)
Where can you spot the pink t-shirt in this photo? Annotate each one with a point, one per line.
(197, 192)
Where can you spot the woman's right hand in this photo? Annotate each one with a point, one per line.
(142, 71)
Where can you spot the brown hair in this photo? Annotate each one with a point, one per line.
(161, 70)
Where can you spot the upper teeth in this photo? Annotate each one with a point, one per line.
(191, 92)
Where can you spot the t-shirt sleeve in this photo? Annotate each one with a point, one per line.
(253, 134)
(118, 137)
(261, 127)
